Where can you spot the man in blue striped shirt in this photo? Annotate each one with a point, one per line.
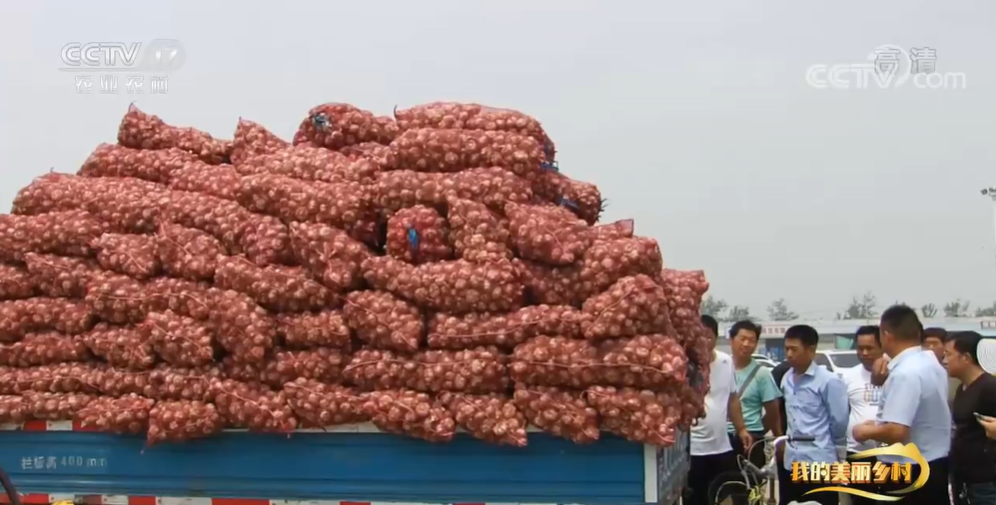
(816, 405)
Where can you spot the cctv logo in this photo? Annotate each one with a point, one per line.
(163, 56)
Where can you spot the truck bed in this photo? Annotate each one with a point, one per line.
(351, 464)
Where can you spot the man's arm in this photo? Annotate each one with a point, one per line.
(835, 398)
(901, 402)
(736, 413)
(769, 400)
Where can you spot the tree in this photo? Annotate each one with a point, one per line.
(739, 313)
(712, 307)
(928, 311)
(779, 311)
(986, 311)
(860, 309)
(957, 308)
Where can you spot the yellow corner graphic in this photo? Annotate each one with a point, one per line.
(904, 450)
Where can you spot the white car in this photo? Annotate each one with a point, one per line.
(764, 360)
(837, 361)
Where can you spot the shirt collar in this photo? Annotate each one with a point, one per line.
(894, 362)
(811, 371)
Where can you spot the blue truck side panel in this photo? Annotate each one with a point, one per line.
(340, 466)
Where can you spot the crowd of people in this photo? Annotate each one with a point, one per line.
(914, 385)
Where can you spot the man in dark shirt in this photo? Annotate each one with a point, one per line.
(973, 457)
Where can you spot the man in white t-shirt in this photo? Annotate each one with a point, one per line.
(710, 445)
(863, 398)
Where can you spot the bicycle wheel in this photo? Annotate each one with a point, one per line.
(728, 488)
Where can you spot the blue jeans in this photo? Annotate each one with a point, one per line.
(975, 494)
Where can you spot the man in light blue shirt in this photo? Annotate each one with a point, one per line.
(816, 405)
(914, 406)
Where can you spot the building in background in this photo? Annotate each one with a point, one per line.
(839, 334)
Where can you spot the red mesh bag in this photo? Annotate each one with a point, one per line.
(188, 253)
(632, 306)
(450, 286)
(222, 219)
(329, 254)
(43, 349)
(68, 233)
(553, 285)
(318, 405)
(266, 240)
(608, 261)
(493, 418)
(128, 415)
(131, 255)
(180, 421)
(471, 116)
(450, 150)
(139, 130)
(14, 410)
(117, 299)
(314, 329)
(60, 277)
(582, 198)
(309, 163)
(371, 369)
(20, 317)
(502, 330)
(281, 289)
(478, 234)
(180, 341)
(169, 383)
(322, 364)
(692, 404)
(55, 192)
(122, 347)
(253, 407)
(614, 230)
(342, 205)
(494, 186)
(479, 370)
(418, 235)
(384, 321)
(380, 154)
(637, 415)
(56, 406)
(410, 413)
(555, 361)
(559, 412)
(336, 125)
(242, 372)
(253, 139)
(128, 211)
(191, 299)
(684, 290)
(547, 234)
(221, 181)
(646, 361)
(60, 378)
(114, 382)
(111, 160)
(16, 282)
(242, 328)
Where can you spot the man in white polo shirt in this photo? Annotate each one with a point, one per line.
(710, 444)
(863, 398)
(914, 406)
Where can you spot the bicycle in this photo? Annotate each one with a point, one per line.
(752, 485)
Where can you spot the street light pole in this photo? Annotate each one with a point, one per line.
(991, 193)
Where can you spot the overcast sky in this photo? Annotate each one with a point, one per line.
(694, 118)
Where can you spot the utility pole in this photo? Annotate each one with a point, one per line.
(991, 193)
